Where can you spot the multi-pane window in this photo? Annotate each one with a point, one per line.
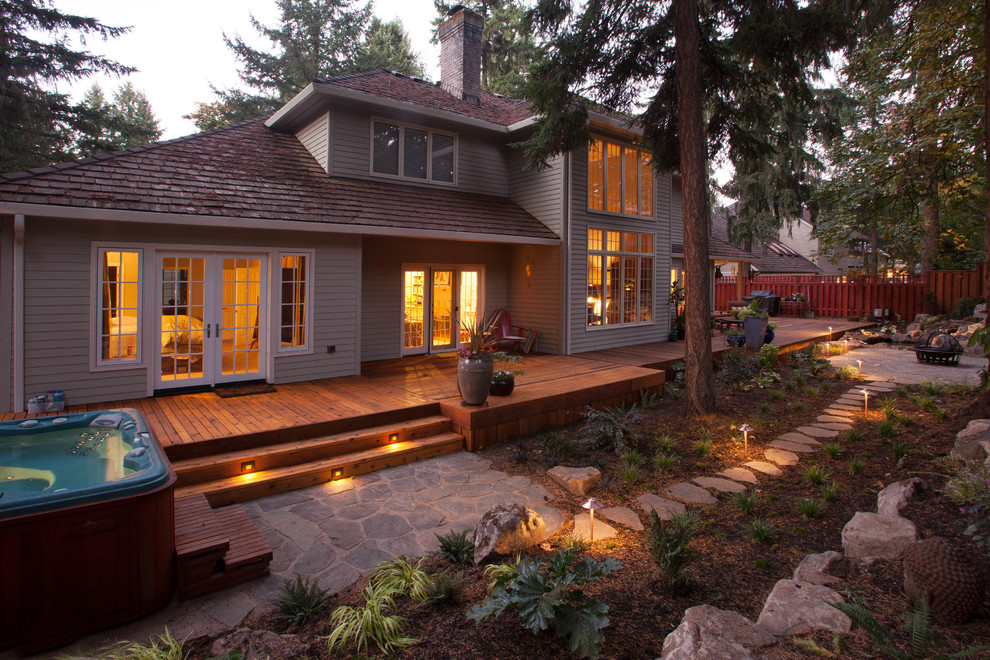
(294, 314)
(414, 153)
(620, 179)
(119, 297)
(620, 277)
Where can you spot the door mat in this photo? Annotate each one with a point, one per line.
(230, 391)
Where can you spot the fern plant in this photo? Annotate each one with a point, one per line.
(550, 594)
(669, 545)
(298, 600)
(402, 577)
(359, 627)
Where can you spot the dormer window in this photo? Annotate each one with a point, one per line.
(620, 179)
(411, 152)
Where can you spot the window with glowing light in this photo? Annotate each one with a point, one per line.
(294, 319)
(620, 278)
(119, 305)
(620, 179)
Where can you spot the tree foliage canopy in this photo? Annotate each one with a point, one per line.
(126, 122)
(37, 122)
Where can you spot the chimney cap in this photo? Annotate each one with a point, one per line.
(455, 9)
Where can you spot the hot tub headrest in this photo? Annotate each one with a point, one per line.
(107, 421)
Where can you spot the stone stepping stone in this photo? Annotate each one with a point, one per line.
(781, 456)
(765, 468)
(817, 432)
(850, 400)
(665, 508)
(721, 485)
(740, 474)
(622, 515)
(847, 407)
(691, 494)
(791, 446)
(882, 384)
(799, 438)
(828, 419)
(833, 426)
(840, 412)
(582, 528)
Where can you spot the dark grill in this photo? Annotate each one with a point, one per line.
(938, 347)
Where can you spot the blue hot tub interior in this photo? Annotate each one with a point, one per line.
(55, 462)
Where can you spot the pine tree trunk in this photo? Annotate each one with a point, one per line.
(699, 382)
(929, 242)
(986, 141)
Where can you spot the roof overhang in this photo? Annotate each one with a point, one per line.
(232, 222)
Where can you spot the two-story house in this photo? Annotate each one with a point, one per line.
(367, 219)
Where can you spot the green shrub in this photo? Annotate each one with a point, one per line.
(628, 473)
(609, 429)
(736, 368)
(746, 501)
(965, 306)
(359, 627)
(703, 446)
(798, 406)
(830, 491)
(550, 594)
(809, 507)
(493, 572)
(799, 378)
(929, 387)
(852, 435)
(899, 450)
(298, 599)
(766, 357)
(833, 449)
(558, 446)
(848, 372)
(456, 547)
(664, 462)
(160, 647)
(759, 530)
(669, 545)
(941, 413)
(886, 428)
(790, 386)
(401, 577)
(889, 409)
(856, 466)
(447, 588)
(815, 474)
(632, 458)
(760, 563)
(777, 395)
(664, 443)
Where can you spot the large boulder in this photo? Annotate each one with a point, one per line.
(577, 481)
(894, 497)
(980, 311)
(973, 442)
(259, 645)
(873, 535)
(793, 608)
(505, 529)
(953, 583)
(823, 568)
(708, 633)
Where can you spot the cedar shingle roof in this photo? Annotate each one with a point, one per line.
(773, 257)
(496, 109)
(249, 171)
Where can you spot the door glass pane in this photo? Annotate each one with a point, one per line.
(183, 310)
(594, 289)
(468, 305)
(240, 316)
(613, 285)
(443, 308)
(412, 336)
(629, 289)
(646, 289)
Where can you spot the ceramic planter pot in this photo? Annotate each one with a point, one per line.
(502, 387)
(474, 378)
(738, 342)
(755, 330)
(768, 336)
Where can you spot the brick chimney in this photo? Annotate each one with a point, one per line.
(460, 54)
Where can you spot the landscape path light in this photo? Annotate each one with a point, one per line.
(859, 365)
(866, 399)
(746, 429)
(592, 505)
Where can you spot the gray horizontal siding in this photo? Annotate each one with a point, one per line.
(540, 193)
(381, 302)
(535, 298)
(316, 137)
(6, 319)
(481, 158)
(583, 338)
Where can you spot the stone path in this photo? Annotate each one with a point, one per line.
(881, 363)
(338, 531)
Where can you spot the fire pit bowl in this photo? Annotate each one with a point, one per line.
(938, 347)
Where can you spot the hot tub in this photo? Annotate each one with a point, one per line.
(86, 525)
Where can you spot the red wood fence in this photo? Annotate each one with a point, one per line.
(951, 285)
(837, 296)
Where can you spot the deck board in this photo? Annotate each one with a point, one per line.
(388, 386)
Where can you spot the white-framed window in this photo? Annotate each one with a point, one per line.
(295, 301)
(118, 305)
(620, 277)
(620, 179)
(412, 152)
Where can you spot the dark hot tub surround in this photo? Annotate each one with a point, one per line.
(86, 526)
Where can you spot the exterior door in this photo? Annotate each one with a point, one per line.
(211, 327)
(437, 301)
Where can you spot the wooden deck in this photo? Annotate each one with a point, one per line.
(426, 385)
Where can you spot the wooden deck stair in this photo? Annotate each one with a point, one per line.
(222, 477)
(215, 549)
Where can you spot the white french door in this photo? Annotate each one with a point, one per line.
(211, 318)
(437, 302)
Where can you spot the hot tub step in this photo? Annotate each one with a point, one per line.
(221, 492)
(228, 464)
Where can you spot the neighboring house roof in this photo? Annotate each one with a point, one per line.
(247, 171)
(772, 257)
(719, 250)
(397, 87)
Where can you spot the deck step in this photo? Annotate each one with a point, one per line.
(225, 465)
(243, 487)
(215, 548)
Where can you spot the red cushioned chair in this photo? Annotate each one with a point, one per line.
(507, 334)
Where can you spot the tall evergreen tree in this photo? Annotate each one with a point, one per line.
(387, 46)
(126, 122)
(687, 70)
(36, 121)
(508, 47)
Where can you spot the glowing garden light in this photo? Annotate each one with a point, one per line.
(592, 505)
(859, 366)
(866, 399)
(746, 429)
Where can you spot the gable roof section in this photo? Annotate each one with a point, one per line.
(772, 257)
(249, 172)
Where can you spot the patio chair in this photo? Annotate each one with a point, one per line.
(507, 334)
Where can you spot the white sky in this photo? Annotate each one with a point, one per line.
(177, 46)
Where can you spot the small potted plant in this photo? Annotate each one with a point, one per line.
(475, 366)
(769, 334)
(735, 337)
(504, 376)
